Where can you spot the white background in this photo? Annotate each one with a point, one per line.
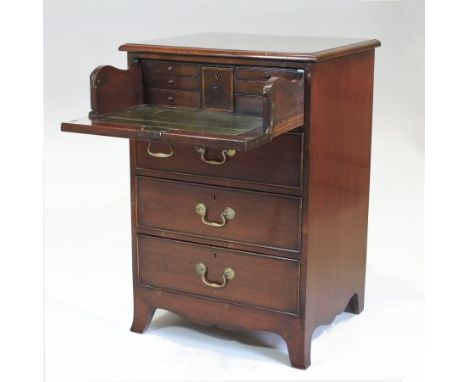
(21, 193)
(87, 211)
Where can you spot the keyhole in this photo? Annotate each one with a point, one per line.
(214, 196)
(214, 255)
(217, 76)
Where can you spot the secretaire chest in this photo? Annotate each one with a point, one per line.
(249, 163)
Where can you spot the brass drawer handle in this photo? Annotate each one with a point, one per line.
(159, 155)
(228, 274)
(228, 214)
(225, 153)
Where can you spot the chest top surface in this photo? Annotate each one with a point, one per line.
(298, 48)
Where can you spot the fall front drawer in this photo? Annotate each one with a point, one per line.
(256, 218)
(239, 277)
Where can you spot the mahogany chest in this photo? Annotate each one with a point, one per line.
(249, 163)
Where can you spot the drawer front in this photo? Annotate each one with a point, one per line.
(173, 97)
(249, 104)
(279, 163)
(264, 74)
(173, 82)
(217, 85)
(151, 67)
(249, 83)
(250, 87)
(248, 217)
(260, 281)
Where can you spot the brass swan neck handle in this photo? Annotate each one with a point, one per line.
(228, 274)
(227, 214)
(159, 155)
(225, 153)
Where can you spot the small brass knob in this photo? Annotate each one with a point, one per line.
(170, 68)
(170, 98)
(170, 82)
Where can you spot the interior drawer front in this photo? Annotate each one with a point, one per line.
(173, 82)
(260, 281)
(150, 67)
(279, 163)
(249, 104)
(248, 217)
(264, 74)
(173, 97)
(250, 87)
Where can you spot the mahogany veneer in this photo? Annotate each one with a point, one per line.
(249, 163)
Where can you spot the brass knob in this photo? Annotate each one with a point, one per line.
(170, 68)
(170, 98)
(170, 82)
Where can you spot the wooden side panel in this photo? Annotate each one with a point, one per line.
(114, 89)
(337, 150)
(283, 105)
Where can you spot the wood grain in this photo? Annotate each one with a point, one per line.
(113, 89)
(233, 45)
(298, 239)
(261, 219)
(168, 264)
(278, 163)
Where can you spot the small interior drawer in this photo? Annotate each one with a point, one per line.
(249, 104)
(219, 213)
(217, 88)
(232, 276)
(169, 97)
(250, 87)
(264, 74)
(150, 67)
(173, 82)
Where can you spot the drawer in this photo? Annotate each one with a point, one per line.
(259, 281)
(217, 86)
(250, 87)
(249, 104)
(264, 74)
(279, 163)
(168, 97)
(219, 213)
(173, 82)
(151, 67)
